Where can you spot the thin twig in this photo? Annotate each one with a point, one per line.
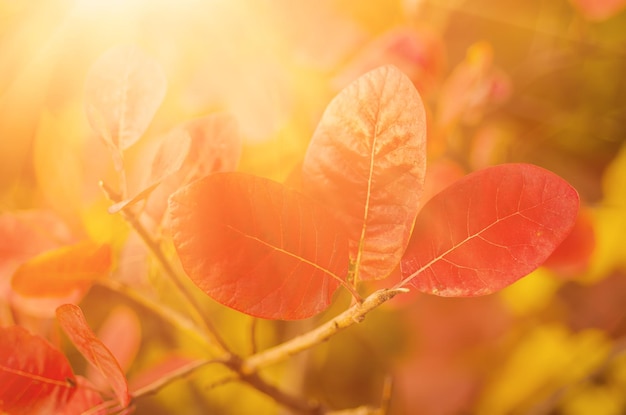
(355, 314)
(168, 314)
(247, 369)
(296, 403)
(194, 307)
(174, 375)
(385, 401)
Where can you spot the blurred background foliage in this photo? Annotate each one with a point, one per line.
(539, 81)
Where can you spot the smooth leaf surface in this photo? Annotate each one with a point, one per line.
(256, 246)
(489, 229)
(34, 376)
(123, 90)
(73, 322)
(366, 163)
(62, 271)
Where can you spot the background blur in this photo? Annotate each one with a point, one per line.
(538, 81)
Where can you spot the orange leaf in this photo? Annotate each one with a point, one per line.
(488, 230)
(34, 376)
(24, 235)
(254, 245)
(73, 322)
(123, 90)
(367, 162)
(62, 271)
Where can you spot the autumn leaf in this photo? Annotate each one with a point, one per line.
(35, 377)
(254, 245)
(168, 159)
(123, 90)
(599, 10)
(73, 322)
(121, 334)
(471, 88)
(366, 162)
(418, 53)
(215, 146)
(546, 360)
(60, 272)
(488, 229)
(24, 235)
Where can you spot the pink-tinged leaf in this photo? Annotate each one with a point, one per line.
(62, 271)
(599, 10)
(418, 53)
(35, 377)
(73, 322)
(121, 334)
(168, 159)
(366, 163)
(161, 370)
(488, 230)
(215, 146)
(471, 88)
(256, 246)
(123, 90)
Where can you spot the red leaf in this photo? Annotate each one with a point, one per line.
(61, 272)
(123, 90)
(489, 229)
(73, 322)
(35, 377)
(367, 162)
(258, 247)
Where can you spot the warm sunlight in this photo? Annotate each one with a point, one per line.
(312, 207)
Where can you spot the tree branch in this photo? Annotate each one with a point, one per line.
(353, 315)
(194, 307)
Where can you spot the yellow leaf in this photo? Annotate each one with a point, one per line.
(614, 181)
(102, 226)
(596, 400)
(531, 293)
(609, 253)
(548, 358)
